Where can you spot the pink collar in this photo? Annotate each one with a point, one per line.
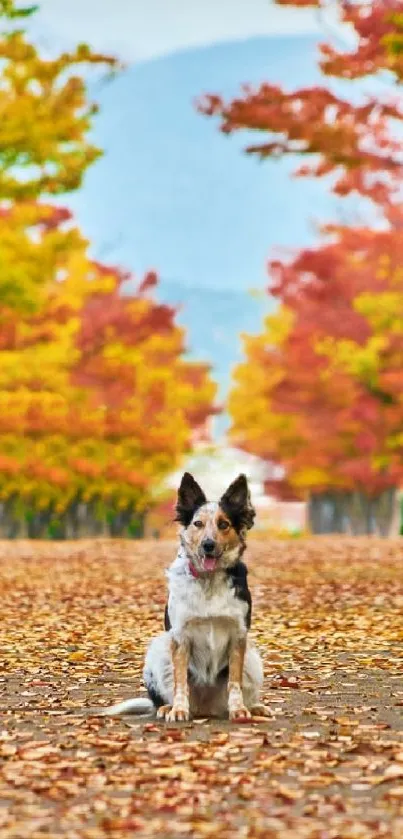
(193, 570)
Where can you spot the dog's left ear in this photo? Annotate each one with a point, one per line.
(236, 503)
(190, 498)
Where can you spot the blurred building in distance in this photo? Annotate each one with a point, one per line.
(214, 467)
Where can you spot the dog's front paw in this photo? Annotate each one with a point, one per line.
(261, 711)
(163, 711)
(178, 713)
(237, 712)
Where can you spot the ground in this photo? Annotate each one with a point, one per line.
(328, 764)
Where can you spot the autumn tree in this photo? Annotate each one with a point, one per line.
(97, 400)
(45, 150)
(98, 405)
(320, 390)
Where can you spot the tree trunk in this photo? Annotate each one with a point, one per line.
(326, 513)
(71, 520)
(383, 510)
(356, 523)
(38, 523)
(13, 525)
(356, 513)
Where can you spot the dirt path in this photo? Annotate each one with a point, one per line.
(328, 616)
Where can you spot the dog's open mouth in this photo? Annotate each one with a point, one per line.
(209, 562)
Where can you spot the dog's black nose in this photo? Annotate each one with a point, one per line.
(208, 546)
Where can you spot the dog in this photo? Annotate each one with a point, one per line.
(204, 664)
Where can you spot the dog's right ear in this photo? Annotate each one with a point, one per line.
(236, 503)
(190, 498)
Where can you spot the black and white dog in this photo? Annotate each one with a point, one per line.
(204, 664)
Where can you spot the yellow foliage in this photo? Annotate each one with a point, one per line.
(362, 362)
(58, 442)
(86, 415)
(383, 311)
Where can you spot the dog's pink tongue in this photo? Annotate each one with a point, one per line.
(209, 563)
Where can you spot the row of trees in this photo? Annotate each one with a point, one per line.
(97, 399)
(321, 389)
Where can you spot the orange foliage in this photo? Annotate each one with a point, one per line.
(321, 388)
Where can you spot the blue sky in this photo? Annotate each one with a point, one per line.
(143, 29)
(173, 194)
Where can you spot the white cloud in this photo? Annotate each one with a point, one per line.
(141, 29)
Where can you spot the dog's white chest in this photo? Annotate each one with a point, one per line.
(193, 601)
(208, 617)
(209, 643)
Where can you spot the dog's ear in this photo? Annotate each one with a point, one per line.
(190, 498)
(237, 505)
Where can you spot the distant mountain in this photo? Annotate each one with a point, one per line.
(172, 193)
(215, 320)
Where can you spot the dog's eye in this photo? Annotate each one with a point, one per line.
(223, 525)
(198, 523)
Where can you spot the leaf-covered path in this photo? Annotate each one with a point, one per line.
(328, 616)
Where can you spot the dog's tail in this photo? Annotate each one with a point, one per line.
(141, 705)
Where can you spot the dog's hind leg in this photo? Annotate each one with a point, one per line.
(252, 681)
(158, 674)
(158, 679)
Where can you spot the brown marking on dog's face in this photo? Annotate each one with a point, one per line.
(214, 535)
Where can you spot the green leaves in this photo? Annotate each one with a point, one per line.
(12, 10)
